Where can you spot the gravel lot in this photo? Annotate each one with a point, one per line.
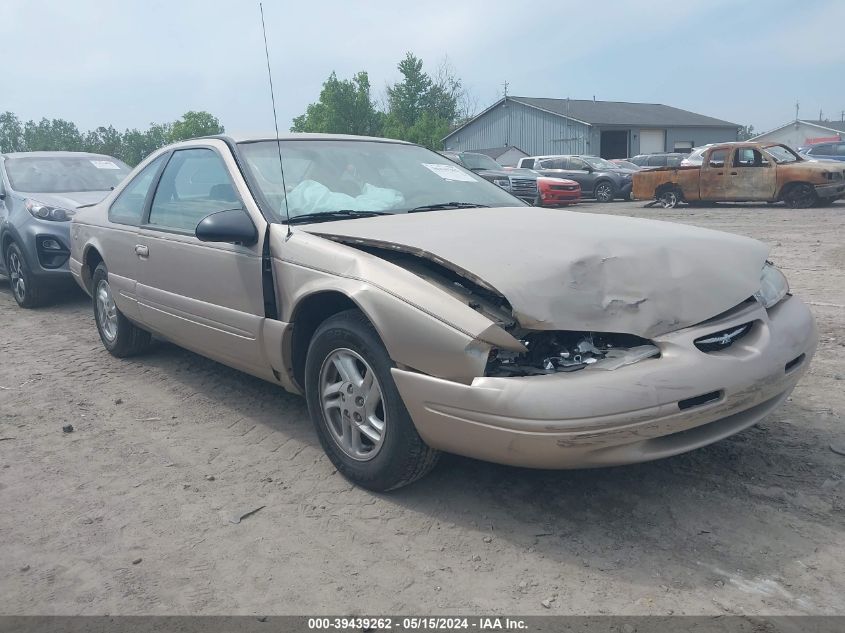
(130, 513)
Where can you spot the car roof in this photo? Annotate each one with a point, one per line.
(53, 155)
(305, 136)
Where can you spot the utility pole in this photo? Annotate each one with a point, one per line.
(506, 84)
(797, 106)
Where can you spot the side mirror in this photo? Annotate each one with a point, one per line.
(233, 226)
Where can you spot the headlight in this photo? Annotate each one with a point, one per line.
(504, 183)
(773, 286)
(46, 212)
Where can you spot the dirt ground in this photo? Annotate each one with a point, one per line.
(130, 513)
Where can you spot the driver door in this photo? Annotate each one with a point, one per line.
(204, 296)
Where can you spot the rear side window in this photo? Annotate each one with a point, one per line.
(527, 163)
(194, 184)
(129, 206)
(839, 150)
(657, 161)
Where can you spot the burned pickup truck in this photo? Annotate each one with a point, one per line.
(744, 172)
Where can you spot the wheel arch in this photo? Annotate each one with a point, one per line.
(788, 185)
(308, 314)
(666, 186)
(91, 258)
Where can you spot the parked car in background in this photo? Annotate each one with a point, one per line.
(696, 156)
(670, 159)
(39, 194)
(745, 172)
(421, 309)
(599, 178)
(522, 183)
(625, 164)
(824, 151)
(557, 192)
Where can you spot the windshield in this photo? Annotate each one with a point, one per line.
(325, 176)
(478, 161)
(599, 163)
(781, 154)
(64, 174)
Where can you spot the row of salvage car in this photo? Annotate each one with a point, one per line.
(419, 307)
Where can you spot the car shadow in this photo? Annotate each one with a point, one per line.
(702, 510)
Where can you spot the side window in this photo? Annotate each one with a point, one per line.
(748, 157)
(657, 161)
(527, 163)
(577, 163)
(558, 163)
(129, 206)
(821, 150)
(838, 150)
(194, 184)
(717, 158)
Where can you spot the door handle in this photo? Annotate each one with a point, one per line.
(141, 250)
(733, 173)
(721, 173)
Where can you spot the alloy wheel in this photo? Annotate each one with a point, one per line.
(353, 404)
(668, 199)
(16, 278)
(106, 311)
(604, 193)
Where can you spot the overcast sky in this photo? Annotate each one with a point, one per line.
(131, 62)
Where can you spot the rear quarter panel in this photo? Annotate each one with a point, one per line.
(648, 181)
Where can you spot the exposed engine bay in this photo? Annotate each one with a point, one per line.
(547, 352)
(554, 352)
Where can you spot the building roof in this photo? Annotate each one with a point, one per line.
(613, 113)
(623, 113)
(495, 152)
(839, 126)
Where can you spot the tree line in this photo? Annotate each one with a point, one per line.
(131, 146)
(420, 107)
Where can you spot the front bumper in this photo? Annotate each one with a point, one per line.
(632, 414)
(625, 190)
(45, 264)
(558, 197)
(833, 190)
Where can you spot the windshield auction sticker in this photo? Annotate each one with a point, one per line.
(449, 172)
(104, 164)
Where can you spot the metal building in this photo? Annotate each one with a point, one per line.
(803, 132)
(610, 129)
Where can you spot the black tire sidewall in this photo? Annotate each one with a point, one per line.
(388, 468)
(31, 292)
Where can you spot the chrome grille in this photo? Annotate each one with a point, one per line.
(523, 186)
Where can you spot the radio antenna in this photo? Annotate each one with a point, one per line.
(275, 118)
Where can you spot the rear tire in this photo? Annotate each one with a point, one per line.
(26, 291)
(669, 197)
(800, 196)
(359, 416)
(119, 335)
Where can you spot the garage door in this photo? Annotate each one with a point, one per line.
(652, 141)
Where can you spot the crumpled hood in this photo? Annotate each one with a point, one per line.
(68, 200)
(565, 270)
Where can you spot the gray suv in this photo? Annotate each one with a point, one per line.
(599, 178)
(39, 194)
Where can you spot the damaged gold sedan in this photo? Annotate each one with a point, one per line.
(422, 309)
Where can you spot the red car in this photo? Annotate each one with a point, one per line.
(557, 192)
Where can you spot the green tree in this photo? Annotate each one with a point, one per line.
(104, 140)
(344, 107)
(194, 124)
(11, 133)
(407, 98)
(746, 132)
(51, 135)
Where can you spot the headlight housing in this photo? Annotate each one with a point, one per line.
(504, 183)
(773, 286)
(47, 212)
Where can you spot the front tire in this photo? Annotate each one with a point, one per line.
(26, 291)
(119, 335)
(604, 191)
(669, 197)
(800, 196)
(359, 416)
